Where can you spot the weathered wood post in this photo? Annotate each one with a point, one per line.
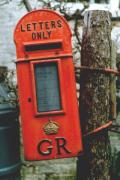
(94, 96)
(113, 83)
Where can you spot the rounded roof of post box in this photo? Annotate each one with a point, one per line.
(42, 33)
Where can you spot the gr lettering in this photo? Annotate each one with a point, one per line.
(45, 146)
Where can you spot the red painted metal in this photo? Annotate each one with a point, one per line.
(99, 129)
(102, 70)
(43, 36)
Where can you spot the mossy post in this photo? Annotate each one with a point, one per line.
(94, 96)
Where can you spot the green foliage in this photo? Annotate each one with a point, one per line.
(11, 85)
(115, 165)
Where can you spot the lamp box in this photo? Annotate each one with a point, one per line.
(46, 87)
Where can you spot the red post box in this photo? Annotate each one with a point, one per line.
(47, 89)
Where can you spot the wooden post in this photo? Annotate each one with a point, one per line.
(94, 96)
(113, 83)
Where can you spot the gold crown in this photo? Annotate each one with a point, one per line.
(51, 128)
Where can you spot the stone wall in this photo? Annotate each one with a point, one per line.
(62, 169)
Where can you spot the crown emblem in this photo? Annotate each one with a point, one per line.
(51, 127)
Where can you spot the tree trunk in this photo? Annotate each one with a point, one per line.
(94, 96)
